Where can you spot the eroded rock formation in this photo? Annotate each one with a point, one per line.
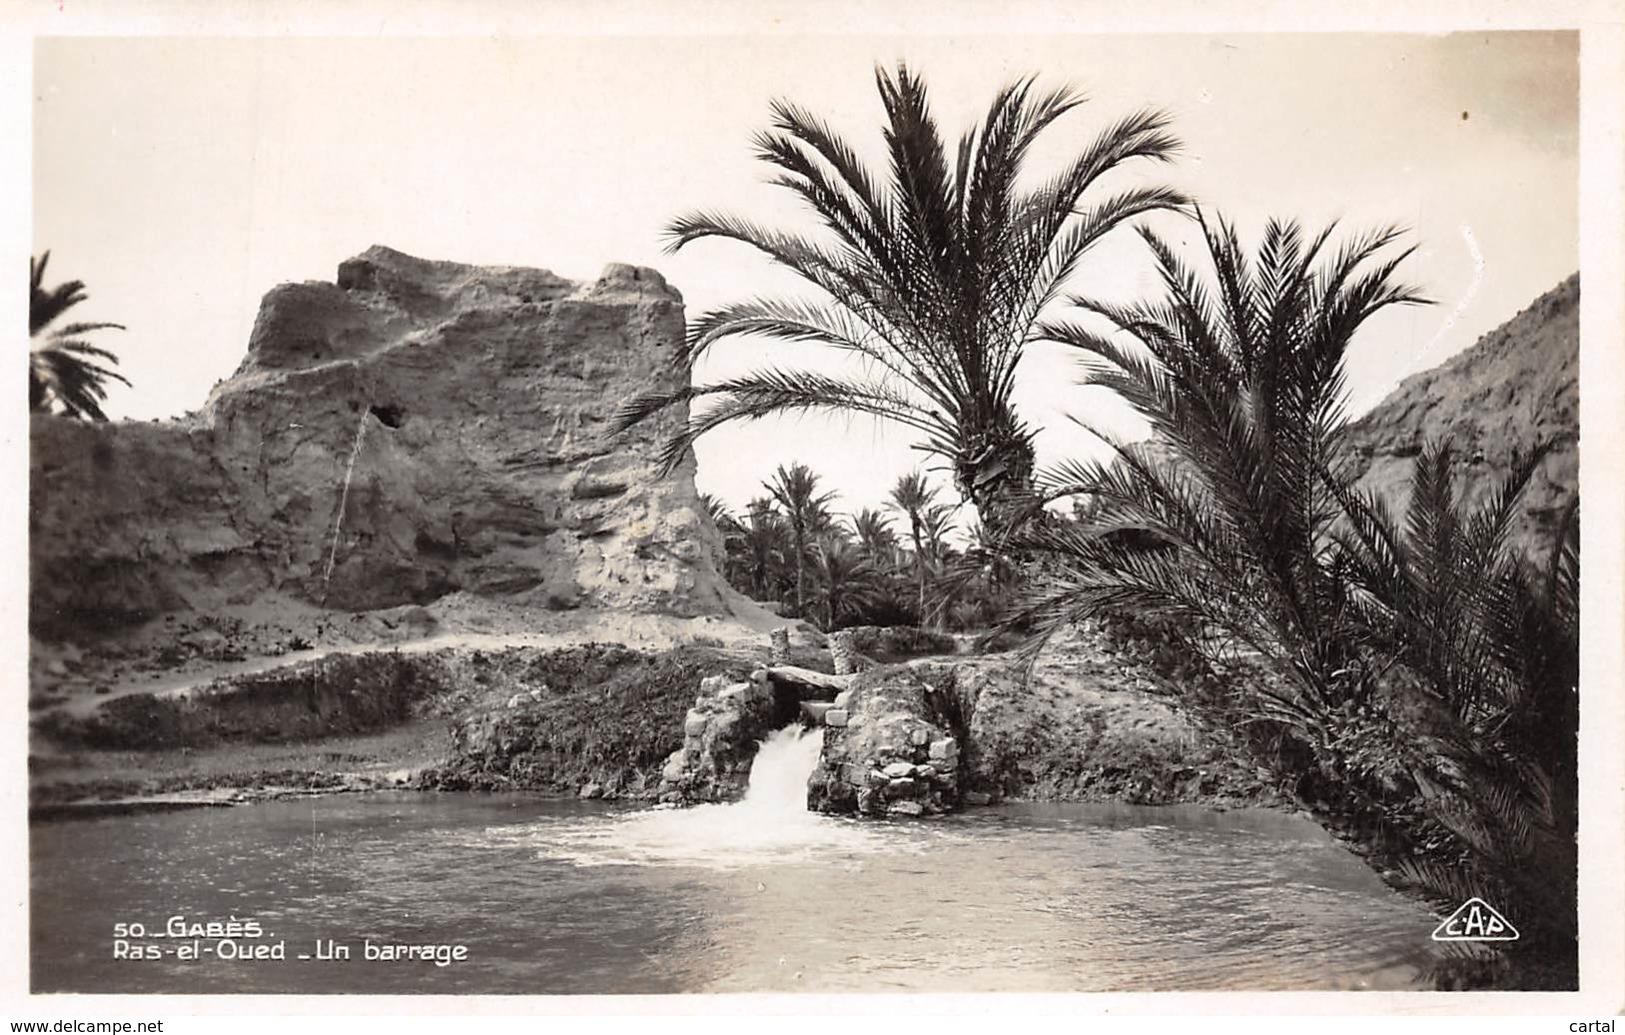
(448, 421)
(1517, 386)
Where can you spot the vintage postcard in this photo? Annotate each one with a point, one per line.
(536, 504)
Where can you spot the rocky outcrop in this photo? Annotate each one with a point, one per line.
(590, 721)
(1518, 385)
(415, 429)
(1090, 723)
(1092, 720)
(886, 750)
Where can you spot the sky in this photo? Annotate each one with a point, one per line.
(182, 178)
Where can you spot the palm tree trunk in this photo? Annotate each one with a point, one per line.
(998, 481)
(919, 564)
(801, 569)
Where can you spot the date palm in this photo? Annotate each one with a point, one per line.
(1496, 645)
(875, 537)
(974, 587)
(914, 498)
(765, 547)
(931, 275)
(63, 369)
(733, 534)
(1399, 698)
(806, 510)
(845, 581)
(727, 525)
(717, 509)
(935, 524)
(1241, 380)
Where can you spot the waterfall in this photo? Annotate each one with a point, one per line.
(771, 825)
(778, 775)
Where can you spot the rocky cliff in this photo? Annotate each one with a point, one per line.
(1518, 385)
(413, 430)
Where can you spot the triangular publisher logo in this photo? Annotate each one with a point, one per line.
(1475, 921)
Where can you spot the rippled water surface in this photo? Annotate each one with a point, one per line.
(566, 897)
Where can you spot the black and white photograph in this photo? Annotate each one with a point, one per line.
(817, 513)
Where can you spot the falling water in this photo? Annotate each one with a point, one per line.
(778, 776)
(344, 499)
(770, 825)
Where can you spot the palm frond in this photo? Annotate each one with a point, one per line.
(65, 371)
(934, 270)
(774, 392)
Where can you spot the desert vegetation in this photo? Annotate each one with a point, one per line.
(897, 565)
(1408, 677)
(65, 372)
(931, 277)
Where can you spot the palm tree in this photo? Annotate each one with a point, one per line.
(62, 371)
(727, 525)
(795, 488)
(935, 525)
(1497, 645)
(973, 589)
(875, 537)
(845, 580)
(733, 535)
(1399, 704)
(1242, 384)
(932, 276)
(914, 498)
(717, 509)
(766, 546)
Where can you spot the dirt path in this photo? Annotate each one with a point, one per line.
(86, 680)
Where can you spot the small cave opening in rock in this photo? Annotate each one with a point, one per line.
(389, 415)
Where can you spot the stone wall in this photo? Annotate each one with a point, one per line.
(886, 750)
(1088, 722)
(594, 720)
(720, 736)
(888, 645)
(467, 409)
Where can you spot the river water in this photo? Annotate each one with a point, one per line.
(557, 897)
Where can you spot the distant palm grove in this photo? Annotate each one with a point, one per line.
(896, 565)
(1403, 674)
